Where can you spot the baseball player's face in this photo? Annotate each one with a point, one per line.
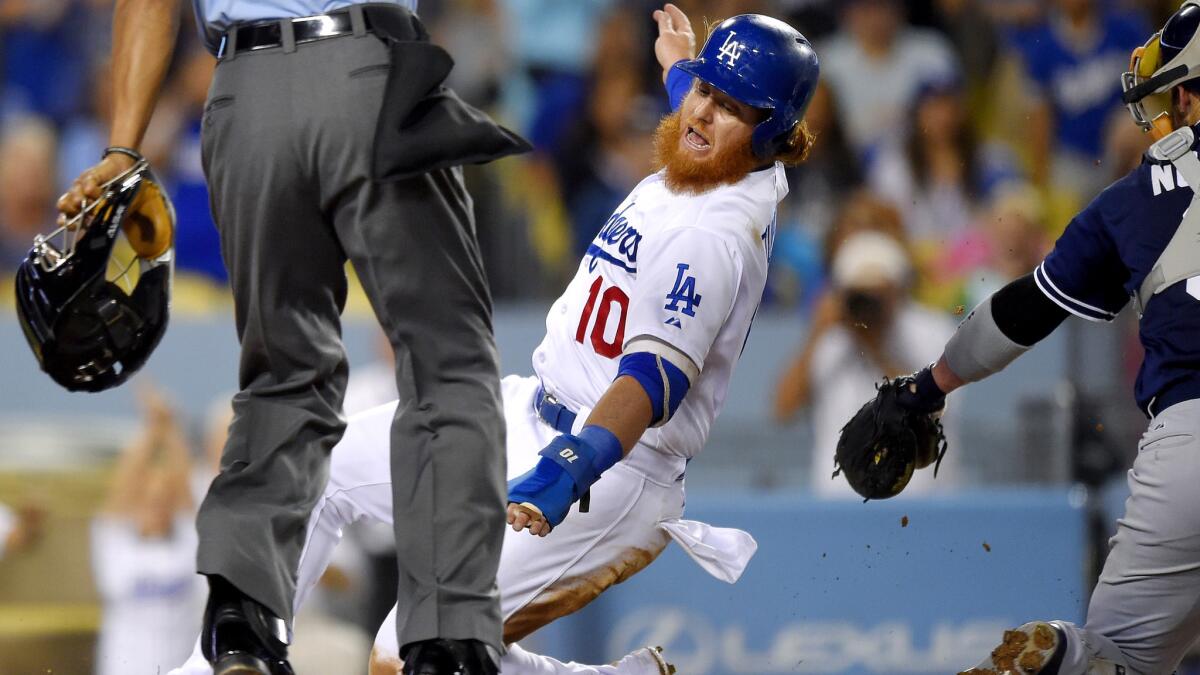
(714, 124)
(706, 142)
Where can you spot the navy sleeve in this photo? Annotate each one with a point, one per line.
(1084, 274)
(678, 84)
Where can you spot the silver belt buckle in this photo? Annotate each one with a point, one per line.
(327, 28)
(547, 398)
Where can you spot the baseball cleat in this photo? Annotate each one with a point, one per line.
(1036, 648)
(646, 660)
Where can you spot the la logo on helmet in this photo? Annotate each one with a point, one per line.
(731, 49)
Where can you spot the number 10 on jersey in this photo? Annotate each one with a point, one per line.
(611, 296)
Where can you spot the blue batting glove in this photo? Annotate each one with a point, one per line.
(546, 486)
(567, 468)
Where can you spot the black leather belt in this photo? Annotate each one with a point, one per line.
(269, 34)
(554, 413)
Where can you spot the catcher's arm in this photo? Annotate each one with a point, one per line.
(992, 336)
(143, 38)
(898, 431)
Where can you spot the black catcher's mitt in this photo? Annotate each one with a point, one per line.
(885, 442)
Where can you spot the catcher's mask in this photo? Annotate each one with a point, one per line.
(1170, 57)
(92, 296)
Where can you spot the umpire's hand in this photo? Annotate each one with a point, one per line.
(88, 186)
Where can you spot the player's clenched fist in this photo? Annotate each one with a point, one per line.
(675, 41)
(527, 516)
(540, 498)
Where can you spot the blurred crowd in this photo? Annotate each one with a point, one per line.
(968, 129)
(955, 139)
(143, 547)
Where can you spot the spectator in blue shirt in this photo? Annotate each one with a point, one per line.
(44, 61)
(1070, 58)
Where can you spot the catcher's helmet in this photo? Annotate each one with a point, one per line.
(94, 308)
(1170, 57)
(764, 63)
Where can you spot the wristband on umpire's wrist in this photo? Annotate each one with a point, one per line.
(122, 150)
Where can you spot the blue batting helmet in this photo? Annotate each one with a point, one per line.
(764, 63)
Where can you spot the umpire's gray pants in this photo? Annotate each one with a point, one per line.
(287, 143)
(1145, 611)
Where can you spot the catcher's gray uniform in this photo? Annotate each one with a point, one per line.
(1144, 611)
(1140, 239)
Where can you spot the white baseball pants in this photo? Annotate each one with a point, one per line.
(635, 511)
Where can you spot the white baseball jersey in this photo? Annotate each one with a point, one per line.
(687, 270)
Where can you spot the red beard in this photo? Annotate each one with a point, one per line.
(685, 174)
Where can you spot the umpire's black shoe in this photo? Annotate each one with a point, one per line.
(448, 657)
(241, 637)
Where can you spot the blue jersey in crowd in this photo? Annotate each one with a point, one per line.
(1080, 85)
(1101, 260)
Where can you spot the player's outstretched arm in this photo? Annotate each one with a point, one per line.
(676, 41)
(898, 431)
(992, 336)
